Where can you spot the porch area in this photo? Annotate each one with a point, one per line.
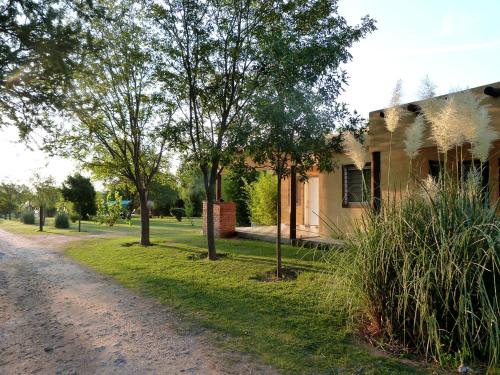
(304, 236)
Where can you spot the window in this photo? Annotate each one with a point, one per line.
(435, 168)
(356, 186)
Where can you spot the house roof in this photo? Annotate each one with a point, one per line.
(477, 89)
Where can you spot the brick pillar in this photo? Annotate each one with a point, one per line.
(224, 219)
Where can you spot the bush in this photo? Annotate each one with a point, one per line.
(28, 217)
(61, 220)
(177, 212)
(427, 273)
(74, 217)
(262, 199)
(109, 210)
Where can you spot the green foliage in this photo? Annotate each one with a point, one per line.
(233, 189)
(27, 217)
(74, 217)
(262, 198)
(427, 271)
(109, 210)
(46, 194)
(12, 197)
(61, 220)
(191, 190)
(80, 191)
(163, 192)
(37, 44)
(178, 213)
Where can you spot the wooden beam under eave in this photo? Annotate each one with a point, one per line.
(492, 91)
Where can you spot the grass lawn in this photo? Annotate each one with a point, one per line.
(282, 323)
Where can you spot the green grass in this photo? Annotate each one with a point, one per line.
(284, 324)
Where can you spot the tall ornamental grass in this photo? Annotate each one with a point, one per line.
(427, 272)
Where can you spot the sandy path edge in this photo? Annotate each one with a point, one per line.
(58, 317)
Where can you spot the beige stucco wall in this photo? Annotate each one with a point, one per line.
(330, 185)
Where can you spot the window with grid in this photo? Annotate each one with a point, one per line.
(356, 185)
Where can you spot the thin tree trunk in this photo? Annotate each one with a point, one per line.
(143, 196)
(279, 271)
(79, 219)
(212, 254)
(41, 219)
(209, 180)
(293, 204)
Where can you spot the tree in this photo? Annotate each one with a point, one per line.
(164, 193)
(211, 63)
(297, 110)
(80, 191)
(38, 46)
(45, 194)
(11, 196)
(234, 180)
(191, 189)
(120, 116)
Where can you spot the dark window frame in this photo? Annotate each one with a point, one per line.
(345, 202)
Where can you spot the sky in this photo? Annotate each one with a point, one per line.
(456, 43)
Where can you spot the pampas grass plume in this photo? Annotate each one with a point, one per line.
(414, 137)
(355, 150)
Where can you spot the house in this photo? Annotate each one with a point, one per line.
(329, 200)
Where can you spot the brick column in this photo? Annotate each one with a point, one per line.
(224, 219)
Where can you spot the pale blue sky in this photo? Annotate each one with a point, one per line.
(457, 43)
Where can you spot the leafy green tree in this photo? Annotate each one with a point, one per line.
(45, 195)
(80, 191)
(211, 65)
(191, 190)
(262, 198)
(163, 193)
(11, 197)
(297, 108)
(120, 115)
(39, 44)
(234, 180)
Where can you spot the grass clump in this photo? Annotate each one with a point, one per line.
(427, 272)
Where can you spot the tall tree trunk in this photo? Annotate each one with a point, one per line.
(41, 219)
(293, 204)
(143, 196)
(279, 271)
(209, 180)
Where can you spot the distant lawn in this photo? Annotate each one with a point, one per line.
(281, 323)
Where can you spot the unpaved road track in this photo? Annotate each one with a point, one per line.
(56, 317)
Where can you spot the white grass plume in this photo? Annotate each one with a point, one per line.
(355, 150)
(443, 119)
(414, 137)
(393, 114)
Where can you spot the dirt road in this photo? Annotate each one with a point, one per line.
(56, 317)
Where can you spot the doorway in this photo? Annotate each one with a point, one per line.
(311, 199)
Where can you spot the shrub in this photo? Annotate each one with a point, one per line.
(427, 272)
(74, 217)
(262, 199)
(27, 217)
(61, 220)
(177, 212)
(109, 210)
